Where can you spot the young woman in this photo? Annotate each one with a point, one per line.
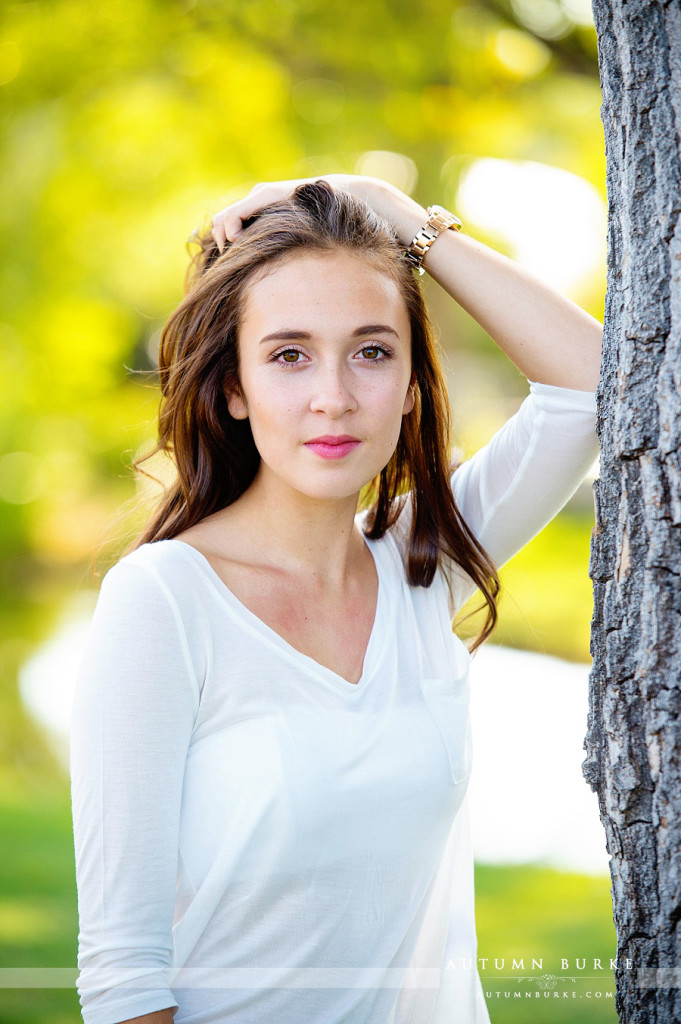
(270, 747)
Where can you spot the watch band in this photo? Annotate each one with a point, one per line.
(438, 221)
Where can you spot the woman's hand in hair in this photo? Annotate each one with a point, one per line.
(403, 213)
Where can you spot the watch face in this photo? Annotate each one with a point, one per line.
(442, 219)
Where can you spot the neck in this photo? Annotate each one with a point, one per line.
(298, 533)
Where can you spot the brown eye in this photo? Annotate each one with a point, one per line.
(372, 352)
(290, 356)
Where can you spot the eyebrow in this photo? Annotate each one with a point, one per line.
(360, 332)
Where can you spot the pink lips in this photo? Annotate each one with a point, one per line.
(332, 447)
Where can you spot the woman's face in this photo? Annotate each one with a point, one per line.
(325, 368)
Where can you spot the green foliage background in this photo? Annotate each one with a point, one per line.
(127, 123)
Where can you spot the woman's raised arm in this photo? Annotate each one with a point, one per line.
(549, 338)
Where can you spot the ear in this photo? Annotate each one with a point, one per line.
(409, 400)
(236, 404)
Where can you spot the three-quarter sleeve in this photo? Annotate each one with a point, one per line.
(135, 705)
(513, 486)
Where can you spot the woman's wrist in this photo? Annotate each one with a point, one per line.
(406, 215)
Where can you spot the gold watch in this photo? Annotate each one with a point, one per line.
(439, 220)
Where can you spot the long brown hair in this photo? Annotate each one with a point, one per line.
(215, 455)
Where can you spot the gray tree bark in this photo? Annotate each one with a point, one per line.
(634, 737)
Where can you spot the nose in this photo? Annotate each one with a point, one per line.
(333, 393)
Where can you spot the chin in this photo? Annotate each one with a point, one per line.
(330, 481)
(329, 492)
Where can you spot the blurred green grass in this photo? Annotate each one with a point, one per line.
(526, 912)
(38, 908)
(522, 911)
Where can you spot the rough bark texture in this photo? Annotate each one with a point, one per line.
(634, 739)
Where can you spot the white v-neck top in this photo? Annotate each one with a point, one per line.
(259, 840)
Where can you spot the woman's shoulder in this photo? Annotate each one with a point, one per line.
(153, 590)
(153, 557)
(157, 568)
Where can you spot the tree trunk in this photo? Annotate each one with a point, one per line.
(634, 737)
